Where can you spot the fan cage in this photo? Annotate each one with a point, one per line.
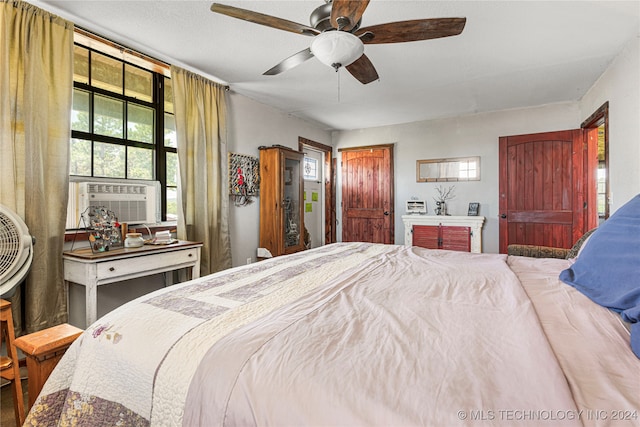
(15, 248)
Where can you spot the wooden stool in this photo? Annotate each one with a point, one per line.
(43, 350)
(9, 366)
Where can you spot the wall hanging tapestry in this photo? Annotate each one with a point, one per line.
(244, 178)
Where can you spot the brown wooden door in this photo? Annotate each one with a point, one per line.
(367, 194)
(543, 185)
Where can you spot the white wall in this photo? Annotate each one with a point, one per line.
(620, 85)
(251, 125)
(475, 135)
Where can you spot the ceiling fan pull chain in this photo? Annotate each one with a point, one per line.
(338, 73)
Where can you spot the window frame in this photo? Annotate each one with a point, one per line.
(308, 159)
(159, 72)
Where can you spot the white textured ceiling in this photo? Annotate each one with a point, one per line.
(511, 54)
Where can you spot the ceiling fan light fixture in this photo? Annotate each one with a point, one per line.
(337, 48)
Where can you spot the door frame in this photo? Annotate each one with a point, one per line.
(598, 118)
(329, 187)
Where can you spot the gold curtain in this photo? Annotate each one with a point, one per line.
(36, 72)
(200, 114)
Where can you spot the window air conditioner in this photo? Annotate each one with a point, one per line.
(133, 202)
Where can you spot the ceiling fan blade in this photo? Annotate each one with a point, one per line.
(345, 14)
(415, 30)
(292, 61)
(262, 19)
(363, 70)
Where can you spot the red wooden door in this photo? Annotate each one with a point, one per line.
(543, 189)
(367, 194)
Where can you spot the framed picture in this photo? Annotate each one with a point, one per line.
(474, 208)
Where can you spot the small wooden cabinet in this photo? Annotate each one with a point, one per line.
(458, 233)
(442, 237)
(281, 204)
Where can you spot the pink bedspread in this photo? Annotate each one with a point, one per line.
(414, 337)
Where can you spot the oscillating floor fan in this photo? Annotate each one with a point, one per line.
(16, 251)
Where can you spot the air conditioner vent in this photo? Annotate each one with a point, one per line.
(116, 188)
(134, 203)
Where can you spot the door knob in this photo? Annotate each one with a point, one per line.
(386, 213)
(503, 216)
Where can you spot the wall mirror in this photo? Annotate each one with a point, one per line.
(454, 169)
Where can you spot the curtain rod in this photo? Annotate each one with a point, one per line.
(116, 49)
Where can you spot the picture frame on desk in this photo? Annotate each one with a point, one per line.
(474, 209)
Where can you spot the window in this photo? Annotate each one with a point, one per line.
(468, 170)
(122, 123)
(310, 167)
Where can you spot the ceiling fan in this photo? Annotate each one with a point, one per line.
(338, 40)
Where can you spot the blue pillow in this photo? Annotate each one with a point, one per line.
(608, 268)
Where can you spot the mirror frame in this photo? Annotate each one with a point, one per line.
(440, 162)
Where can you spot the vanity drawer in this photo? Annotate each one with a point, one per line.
(145, 264)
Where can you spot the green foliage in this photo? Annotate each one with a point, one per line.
(109, 159)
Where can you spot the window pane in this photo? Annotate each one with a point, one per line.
(168, 95)
(80, 112)
(310, 169)
(80, 65)
(106, 73)
(172, 204)
(138, 83)
(291, 203)
(108, 116)
(140, 163)
(172, 169)
(80, 157)
(140, 123)
(170, 131)
(108, 160)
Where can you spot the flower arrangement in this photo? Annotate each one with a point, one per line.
(443, 196)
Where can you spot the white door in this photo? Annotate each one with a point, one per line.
(313, 169)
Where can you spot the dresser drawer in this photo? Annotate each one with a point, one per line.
(143, 264)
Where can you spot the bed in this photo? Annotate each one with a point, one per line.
(357, 334)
